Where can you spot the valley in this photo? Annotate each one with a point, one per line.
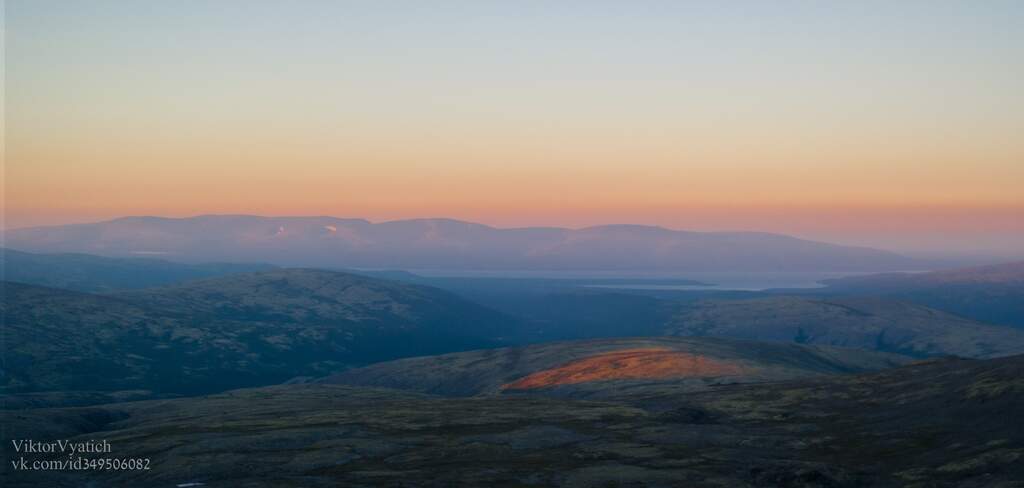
(311, 377)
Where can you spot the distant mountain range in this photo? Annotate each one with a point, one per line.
(447, 244)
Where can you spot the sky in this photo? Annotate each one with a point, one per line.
(880, 123)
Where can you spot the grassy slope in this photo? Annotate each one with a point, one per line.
(487, 371)
(229, 332)
(946, 423)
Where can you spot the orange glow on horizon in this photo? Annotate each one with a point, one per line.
(691, 118)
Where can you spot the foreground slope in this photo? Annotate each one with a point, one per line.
(228, 332)
(448, 244)
(570, 367)
(944, 423)
(89, 273)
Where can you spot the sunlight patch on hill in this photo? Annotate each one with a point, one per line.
(649, 363)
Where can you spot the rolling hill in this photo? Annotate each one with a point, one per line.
(447, 244)
(568, 367)
(89, 273)
(870, 323)
(228, 332)
(861, 322)
(993, 293)
(994, 274)
(266, 327)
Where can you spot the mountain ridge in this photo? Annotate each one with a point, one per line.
(443, 243)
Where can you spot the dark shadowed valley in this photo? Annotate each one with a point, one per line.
(317, 378)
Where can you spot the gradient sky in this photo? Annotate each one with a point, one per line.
(897, 124)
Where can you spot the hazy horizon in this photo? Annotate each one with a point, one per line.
(876, 124)
(964, 257)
